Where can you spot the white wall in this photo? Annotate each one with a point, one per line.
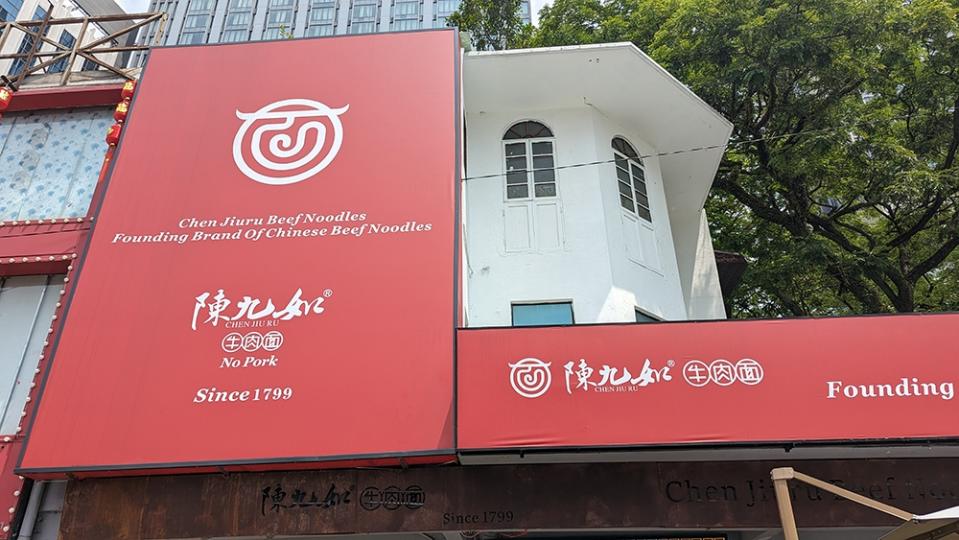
(576, 268)
(703, 293)
(589, 264)
(644, 275)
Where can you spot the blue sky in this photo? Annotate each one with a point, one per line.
(537, 4)
(134, 6)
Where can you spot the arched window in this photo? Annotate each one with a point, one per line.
(631, 179)
(528, 150)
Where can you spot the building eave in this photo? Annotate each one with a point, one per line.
(622, 83)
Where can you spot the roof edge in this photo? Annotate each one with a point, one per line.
(620, 45)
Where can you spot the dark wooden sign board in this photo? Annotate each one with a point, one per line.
(683, 496)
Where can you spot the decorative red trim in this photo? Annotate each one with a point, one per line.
(35, 268)
(44, 252)
(100, 190)
(61, 97)
(440, 459)
(11, 485)
(32, 227)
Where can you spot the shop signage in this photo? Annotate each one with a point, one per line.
(271, 276)
(683, 497)
(837, 379)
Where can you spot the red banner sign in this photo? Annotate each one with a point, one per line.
(717, 382)
(271, 277)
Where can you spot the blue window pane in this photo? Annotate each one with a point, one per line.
(406, 24)
(323, 30)
(192, 38)
(27, 44)
(362, 28)
(9, 9)
(67, 40)
(542, 314)
(325, 14)
(233, 36)
(446, 7)
(642, 317)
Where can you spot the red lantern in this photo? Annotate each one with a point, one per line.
(113, 135)
(120, 113)
(6, 96)
(128, 88)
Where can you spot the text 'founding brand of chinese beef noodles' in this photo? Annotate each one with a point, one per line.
(301, 225)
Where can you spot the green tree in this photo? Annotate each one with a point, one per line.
(492, 24)
(577, 22)
(841, 185)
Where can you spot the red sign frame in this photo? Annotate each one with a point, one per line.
(244, 302)
(753, 382)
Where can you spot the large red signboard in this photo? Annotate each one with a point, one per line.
(270, 279)
(719, 382)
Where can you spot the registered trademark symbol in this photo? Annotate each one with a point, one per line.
(328, 293)
(671, 363)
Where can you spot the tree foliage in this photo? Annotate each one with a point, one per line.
(492, 24)
(841, 185)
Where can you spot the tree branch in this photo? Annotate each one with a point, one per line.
(866, 296)
(866, 236)
(930, 213)
(788, 302)
(757, 206)
(899, 298)
(954, 145)
(933, 260)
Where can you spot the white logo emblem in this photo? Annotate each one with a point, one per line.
(232, 342)
(723, 372)
(252, 341)
(272, 341)
(696, 373)
(530, 377)
(749, 371)
(290, 160)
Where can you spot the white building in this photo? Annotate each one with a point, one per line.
(604, 228)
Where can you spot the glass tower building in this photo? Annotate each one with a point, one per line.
(223, 21)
